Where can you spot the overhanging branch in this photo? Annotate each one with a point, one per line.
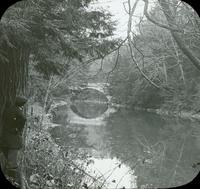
(146, 5)
(131, 12)
(186, 51)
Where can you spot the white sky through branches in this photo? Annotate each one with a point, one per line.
(116, 8)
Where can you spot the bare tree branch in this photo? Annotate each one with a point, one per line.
(74, 71)
(139, 25)
(140, 52)
(115, 66)
(99, 70)
(166, 9)
(131, 11)
(171, 28)
(125, 7)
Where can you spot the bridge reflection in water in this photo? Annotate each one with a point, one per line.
(89, 103)
(135, 149)
(90, 108)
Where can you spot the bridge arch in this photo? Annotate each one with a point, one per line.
(89, 103)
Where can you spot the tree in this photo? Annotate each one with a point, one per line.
(163, 69)
(47, 31)
(45, 38)
(170, 8)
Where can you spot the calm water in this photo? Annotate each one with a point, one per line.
(135, 149)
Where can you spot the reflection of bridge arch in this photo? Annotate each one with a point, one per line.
(76, 119)
(89, 103)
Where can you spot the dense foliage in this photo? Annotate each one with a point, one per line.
(44, 46)
(51, 34)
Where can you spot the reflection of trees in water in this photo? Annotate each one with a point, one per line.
(161, 152)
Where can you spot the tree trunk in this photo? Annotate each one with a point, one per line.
(178, 60)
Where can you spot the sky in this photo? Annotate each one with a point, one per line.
(116, 8)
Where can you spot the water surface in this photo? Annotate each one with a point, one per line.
(134, 149)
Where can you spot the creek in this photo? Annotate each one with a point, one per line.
(134, 149)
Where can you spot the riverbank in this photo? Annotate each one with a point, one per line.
(180, 114)
(124, 128)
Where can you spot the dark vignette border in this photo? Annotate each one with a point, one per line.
(5, 184)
